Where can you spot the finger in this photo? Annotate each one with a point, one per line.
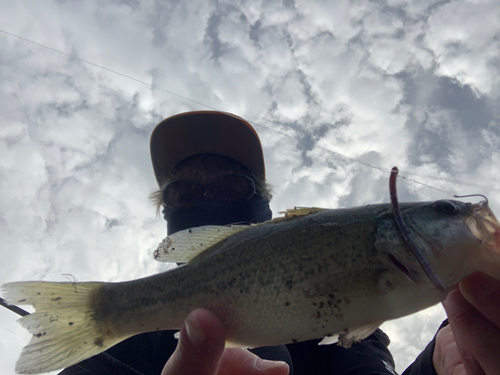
(483, 292)
(243, 362)
(200, 346)
(477, 338)
(446, 358)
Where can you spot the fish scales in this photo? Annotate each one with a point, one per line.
(257, 289)
(332, 274)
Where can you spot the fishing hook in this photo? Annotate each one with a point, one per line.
(405, 233)
(472, 195)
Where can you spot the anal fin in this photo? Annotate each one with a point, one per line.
(350, 336)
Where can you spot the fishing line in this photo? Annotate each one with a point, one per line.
(336, 154)
(107, 69)
(8, 330)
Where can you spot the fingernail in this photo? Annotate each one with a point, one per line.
(194, 330)
(264, 364)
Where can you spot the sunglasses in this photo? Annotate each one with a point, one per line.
(230, 188)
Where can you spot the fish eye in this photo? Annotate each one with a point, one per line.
(446, 207)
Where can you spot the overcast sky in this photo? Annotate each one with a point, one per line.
(412, 84)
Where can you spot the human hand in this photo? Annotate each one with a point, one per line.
(200, 351)
(471, 343)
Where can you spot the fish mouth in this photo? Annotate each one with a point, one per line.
(484, 225)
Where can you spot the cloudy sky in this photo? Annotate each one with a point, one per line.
(330, 86)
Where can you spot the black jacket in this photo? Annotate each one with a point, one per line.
(147, 354)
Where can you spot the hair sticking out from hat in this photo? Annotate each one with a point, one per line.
(206, 168)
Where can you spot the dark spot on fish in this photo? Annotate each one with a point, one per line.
(389, 284)
(70, 323)
(332, 296)
(98, 342)
(190, 231)
(330, 303)
(85, 342)
(142, 324)
(38, 335)
(287, 303)
(294, 341)
(201, 244)
(21, 300)
(321, 305)
(339, 301)
(56, 299)
(173, 248)
(289, 284)
(39, 293)
(318, 315)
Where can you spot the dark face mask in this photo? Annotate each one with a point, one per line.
(212, 212)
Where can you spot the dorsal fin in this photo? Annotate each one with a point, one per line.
(183, 246)
(299, 211)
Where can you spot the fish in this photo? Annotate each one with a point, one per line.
(334, 274)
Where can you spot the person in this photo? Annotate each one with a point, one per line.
(198, 160)
(210, 170)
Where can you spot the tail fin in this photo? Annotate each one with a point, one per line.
(64, 332)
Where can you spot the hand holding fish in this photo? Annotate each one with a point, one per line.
(470, 344)
(201, 351)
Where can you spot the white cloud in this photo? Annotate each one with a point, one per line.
(464, 39)
(412, 84)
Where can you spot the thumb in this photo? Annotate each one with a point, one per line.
(200, 346)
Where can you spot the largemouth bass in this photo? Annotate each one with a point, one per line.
(332, 274)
